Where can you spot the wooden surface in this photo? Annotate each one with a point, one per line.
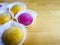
(46, 29)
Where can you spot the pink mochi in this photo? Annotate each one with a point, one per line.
(25, 19)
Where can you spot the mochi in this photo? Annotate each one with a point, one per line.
(12, 36)
(16, 8)
(25, 19)
(5, 17)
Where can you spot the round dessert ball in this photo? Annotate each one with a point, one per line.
(12, 36)
(5, 17)
(0, 5)
(16, 8)
(25, 19)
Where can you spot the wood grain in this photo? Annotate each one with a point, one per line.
(46, 29)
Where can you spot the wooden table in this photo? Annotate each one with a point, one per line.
(46, 29)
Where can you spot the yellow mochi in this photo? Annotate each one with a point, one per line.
(15, 9)
(12, 36)
(4, 18)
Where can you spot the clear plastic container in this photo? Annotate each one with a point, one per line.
(3, 7)
(31, 12)
(17, 3)
(9, 24)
